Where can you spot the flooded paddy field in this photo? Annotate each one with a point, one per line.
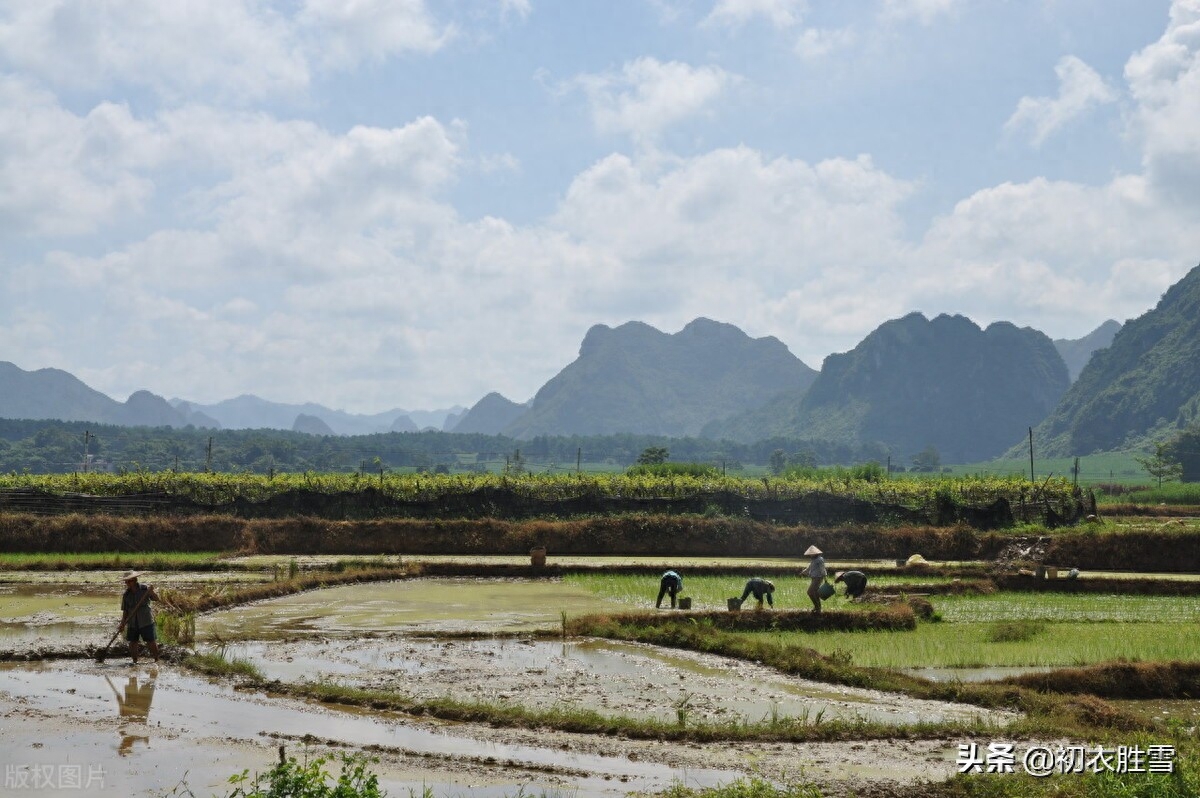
(150, 727)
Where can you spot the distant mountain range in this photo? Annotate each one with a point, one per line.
(251, 412)
(916, 382)
(912, 383)
(53, 393)
(636, 379)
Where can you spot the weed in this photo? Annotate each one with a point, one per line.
(310, 779)
(1014, 631)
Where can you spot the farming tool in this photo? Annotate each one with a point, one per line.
(104, 651)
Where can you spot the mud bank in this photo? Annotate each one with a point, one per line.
(611, 678)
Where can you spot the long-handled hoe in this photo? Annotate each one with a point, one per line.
(104, 651)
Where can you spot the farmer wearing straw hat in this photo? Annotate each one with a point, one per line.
(816, 573)
(137, 618)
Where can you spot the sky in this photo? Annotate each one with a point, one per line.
(374, 204)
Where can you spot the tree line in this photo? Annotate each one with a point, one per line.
(56, 447)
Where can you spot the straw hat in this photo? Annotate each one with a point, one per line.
(812, 551)
(130, 575)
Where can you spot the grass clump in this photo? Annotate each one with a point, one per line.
(214, 663)
(1015, 631)
(310, 779)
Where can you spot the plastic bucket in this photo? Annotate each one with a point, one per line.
(734, 604)
(537, 556)
(826, 590)
(685, 603)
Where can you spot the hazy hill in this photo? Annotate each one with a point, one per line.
(311, 425)
(251, 412)
(1147, 379)
(52, 393)
(916, 382)
(1076, 353)
(636, 379)
(490, 415)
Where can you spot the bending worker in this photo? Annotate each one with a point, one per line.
(138, 621)
(760, 588)
(856, 583)
(672, 583)
(816, 573)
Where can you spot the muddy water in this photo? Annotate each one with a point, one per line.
(145, 728)
(49, 610)
(463, 605)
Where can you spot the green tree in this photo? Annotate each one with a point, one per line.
(653, 455)
(927, 459)
(778, 462)
(1162, 466)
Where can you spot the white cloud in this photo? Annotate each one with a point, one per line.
(62, 174)
(236, 49)
(925, 11)
(1164, 79)
(1080, 89)
(817, 43)
(648, 95)
(344, 33)
(735, 13)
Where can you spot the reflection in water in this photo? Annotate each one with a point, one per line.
(134, 708)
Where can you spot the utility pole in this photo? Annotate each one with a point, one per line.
(87, 438)
(1031, 477)
(208, 457)
(889, 465)
(1076, 472)
(579, 460)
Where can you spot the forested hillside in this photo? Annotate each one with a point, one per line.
(1146, 384)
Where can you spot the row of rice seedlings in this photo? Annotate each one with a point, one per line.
(983, 645)
(116, 560)
(1054, 607)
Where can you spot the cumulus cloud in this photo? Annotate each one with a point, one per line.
(1164, 79)
(735, 13)
(1080, 89)
(64, 174)
(343, 34)
(236, 51)
(232, 49)
(647, 95)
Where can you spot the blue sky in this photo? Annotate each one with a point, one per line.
(410, 203)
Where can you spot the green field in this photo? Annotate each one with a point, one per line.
(1062, 629)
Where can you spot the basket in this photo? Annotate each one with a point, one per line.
(537, 556)
(685, 603)
(734, 604)
(826, 590)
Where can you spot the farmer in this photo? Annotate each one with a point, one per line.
(760, 588)
(816, 573)
(136, 617)
(855, 581)
(672, 583)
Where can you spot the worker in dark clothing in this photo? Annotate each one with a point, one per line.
(671, 583)
(761, 588)
(855, 581)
